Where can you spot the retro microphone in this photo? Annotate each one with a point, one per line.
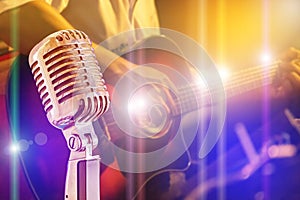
(73, 93)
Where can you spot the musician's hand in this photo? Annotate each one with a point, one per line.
(140, 96)
(288, 83)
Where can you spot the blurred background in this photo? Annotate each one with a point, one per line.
(236, 33)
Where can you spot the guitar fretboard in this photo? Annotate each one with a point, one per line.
(196, 96)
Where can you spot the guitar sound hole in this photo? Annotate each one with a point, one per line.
(148, 112)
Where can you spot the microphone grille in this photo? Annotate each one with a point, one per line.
(68, 78)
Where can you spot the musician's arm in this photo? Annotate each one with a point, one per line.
(35, 20)
(32, 22)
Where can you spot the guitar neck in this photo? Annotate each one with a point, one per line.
(251, 79)
(197, 96)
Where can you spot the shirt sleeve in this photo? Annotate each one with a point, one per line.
(10, 4)
(5, 5)
(105, 57)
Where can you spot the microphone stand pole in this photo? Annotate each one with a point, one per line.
(83, 171)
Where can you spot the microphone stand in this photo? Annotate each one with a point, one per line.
(83, 171)
(73, 97)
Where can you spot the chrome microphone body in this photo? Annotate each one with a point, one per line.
(73, 93)
(69, 79)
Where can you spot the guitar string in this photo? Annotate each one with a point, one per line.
(256, 78)
(251, 83)
(235, 82)
(258, 74)
(243, 75)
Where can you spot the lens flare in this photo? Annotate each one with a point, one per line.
(224, 73)
(14, 148)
